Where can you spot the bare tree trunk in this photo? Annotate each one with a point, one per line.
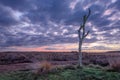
(82, 35)
(80, 50)
(80, 53)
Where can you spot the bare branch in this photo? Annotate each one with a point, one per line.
(88, 13)
(87, 33)
(80, 28)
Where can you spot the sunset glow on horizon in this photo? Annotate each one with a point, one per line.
(65, 48)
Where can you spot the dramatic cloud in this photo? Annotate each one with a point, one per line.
(53, 24)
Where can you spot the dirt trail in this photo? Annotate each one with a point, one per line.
(29, 66)
(14, 67)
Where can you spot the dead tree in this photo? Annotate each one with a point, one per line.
(82, 35)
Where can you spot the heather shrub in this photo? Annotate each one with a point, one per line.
(114, 64)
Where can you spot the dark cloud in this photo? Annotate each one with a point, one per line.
(44, 22)
(5, 18)
(49, 10)
(17, 4)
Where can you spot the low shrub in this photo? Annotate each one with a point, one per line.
(114, 64)
(95, 66)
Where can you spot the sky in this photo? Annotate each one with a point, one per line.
(51, 25)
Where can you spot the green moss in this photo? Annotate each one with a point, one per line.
(78, 74)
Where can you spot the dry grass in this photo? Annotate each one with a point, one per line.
(43, 67)
(68, 66)
(95, 66)
(46, 66)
